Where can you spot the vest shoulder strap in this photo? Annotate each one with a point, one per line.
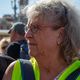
(16, 74)
(73, 69)
(35, 68)
(27, 70)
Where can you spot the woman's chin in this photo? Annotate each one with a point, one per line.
(33, 52)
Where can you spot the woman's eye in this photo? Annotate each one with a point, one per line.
(35, 29)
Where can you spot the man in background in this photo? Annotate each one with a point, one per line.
(17, 32)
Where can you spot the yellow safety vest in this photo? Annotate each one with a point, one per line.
(17, 75)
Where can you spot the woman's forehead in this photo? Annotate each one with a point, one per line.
(40, 20)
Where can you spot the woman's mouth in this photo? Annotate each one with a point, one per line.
(32, 44)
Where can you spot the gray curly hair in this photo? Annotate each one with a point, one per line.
(65, 16)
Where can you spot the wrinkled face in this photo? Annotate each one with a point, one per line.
(42, 38)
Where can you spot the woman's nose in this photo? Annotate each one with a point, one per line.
(28, 34)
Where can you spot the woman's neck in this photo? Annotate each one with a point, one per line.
(52, 69)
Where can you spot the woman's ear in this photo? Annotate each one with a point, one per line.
(60, 36)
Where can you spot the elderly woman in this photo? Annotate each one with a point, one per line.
(51, 33)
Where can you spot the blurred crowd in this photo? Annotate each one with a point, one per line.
(14, 47)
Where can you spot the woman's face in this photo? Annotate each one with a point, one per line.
(42, 39)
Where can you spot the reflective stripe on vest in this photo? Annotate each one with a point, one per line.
(17, 75)
(73, 67)
(35, 68)
(17, 71)
(78, 78)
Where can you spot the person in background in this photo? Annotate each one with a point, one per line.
(5, 60)
(17, 33)
(4, 42)
(53, 39)
(4, 63)
(13, 50)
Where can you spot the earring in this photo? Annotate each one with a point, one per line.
(58, 43)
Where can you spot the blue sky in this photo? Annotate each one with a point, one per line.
(5, 6)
